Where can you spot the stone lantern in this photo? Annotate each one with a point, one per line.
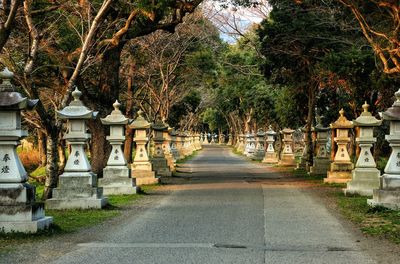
(287, 156)
(174, 149)
(167, 147)
(159, 162)
(19, 212)
(270, 155)
(221, 139)
(203, 138)
(365, 177)
(230, 141)
(321, 161)
(116, 175)
(141, 166)
(259, 152)
(240, 143)
(341, 167)
(388, 194)
(252, 145)
(302, 164)
(179, 144)
(77, 186)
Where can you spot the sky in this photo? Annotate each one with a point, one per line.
(232, 21)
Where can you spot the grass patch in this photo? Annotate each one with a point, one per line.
(302, 174)
(68, 221)
(187, 158)
(375, 221)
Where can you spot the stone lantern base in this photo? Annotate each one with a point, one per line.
(116, 180)
(143, 174)
(302, 164)
(160, 166)
(364, 180)
(320, 166)
(77, 190)
(270, 158)
(19, 211)
(388, 195)
(287, 160)
(339, 173)
(386, 198)
(170, 162)
(258, 155)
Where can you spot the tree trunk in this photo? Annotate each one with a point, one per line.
(108, 92)
(99, 148)
(310, 118)
(42, 147)
(52, 163)
(129, 113)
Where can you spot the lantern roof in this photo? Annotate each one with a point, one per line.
(10, 98)
(159, 125)
(342, 121)
(260, 133)
(393, 113)
(140, 122)
(270, 131)
(116, 117)
(319, 127)
(366, 119)
(287, 131)
(76, 109)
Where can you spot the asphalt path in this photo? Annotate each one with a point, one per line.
(226, 212)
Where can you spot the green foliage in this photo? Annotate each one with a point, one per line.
(212, 118)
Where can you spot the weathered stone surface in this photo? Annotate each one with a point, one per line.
(19, 212)
(321, 161)
(77, 186)
(287, 156)
(270, 155)
(259, 152)
(341, 167)
(388, 195)
(141, 166)
(365, 177)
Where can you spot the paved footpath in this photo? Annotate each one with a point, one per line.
(226, 214)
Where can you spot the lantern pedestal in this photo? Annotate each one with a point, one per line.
(77, 190)
(117, 181)
(320, 166)
(18, 210)
(364, 180)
